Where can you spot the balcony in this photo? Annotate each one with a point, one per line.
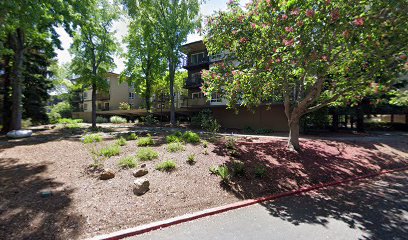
(195, 103)
(193, 82)
(189, 62)
(102, 96)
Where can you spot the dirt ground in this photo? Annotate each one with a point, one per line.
(83, 206)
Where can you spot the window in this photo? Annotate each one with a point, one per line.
(106, 106)
(197, 95)
(85, 95)
(197, 58)
(85, 106)
(131, 95)
(216, 97)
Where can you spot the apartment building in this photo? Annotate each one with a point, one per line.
(263, 117)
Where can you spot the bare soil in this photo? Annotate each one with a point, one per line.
(46, 192)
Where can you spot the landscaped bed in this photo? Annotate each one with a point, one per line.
(49, 191)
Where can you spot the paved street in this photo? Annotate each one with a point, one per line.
(373, 209)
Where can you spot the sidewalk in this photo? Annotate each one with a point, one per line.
(372, 209)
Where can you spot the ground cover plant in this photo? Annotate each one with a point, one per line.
(117, 119)
(168, 165)
(92, 138)
(191, 137)
(110, 151)
(147, 154)
(121, 141)
(128, 162)
(145, 141)
(175, 147)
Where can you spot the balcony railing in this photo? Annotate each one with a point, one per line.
(189, 62)
(196, 102)
(193, 82)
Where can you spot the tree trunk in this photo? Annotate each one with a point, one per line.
(293, 141)
(172, 70)
(16, 111)
(148, 93)
(6, 97)
(93, 105)
(360, 117)
(335, 122)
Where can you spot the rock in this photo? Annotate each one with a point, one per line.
(19, 133)
(141, 186)
(143, 165)
(140, 172)
(107, 174)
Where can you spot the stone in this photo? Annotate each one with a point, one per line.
(107, 174)
(141, 186)
(19, 133)
(140, 172)
(143, 165)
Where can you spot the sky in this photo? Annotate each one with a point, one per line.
(120, 27)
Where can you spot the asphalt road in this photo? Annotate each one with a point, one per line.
(373, 209)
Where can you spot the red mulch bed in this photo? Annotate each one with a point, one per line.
(82, 206)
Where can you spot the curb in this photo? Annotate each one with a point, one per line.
(212, 211)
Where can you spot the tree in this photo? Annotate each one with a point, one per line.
(144, 61)
(22, 20)
(173, 21)
(306, 54)
(93, 48)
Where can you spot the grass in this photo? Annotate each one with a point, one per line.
(110, 151)
(69, 121)
(145, 141)
(131, 136)
(175, 147)
(167, 166)
(147, 154)
(191, 137)
(191, 159)
(173, 139)
(121, 141)
(128, 162)
(91, 138)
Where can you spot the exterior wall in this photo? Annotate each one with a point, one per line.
(86, 116)
(262, 118)
(119, 92)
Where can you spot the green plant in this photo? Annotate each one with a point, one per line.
(69, 121)
(238, 168)
(150, 120)
(145, 141)
(205, 144)
(205, 152)
(213, 170)
(121, 141)
(175, 147)
(260, 171)
(117, 119)
(221, 171)
(131, 136)
(191, 137)
(191, 159)
(60, 110)
(124, 106)
(167, 166)
(178, 134)
(147, 154)
(206, 121)
(127, 162)
(230, 143)
(97, 162)
(172, 139)
(91, 138)
(109, 151)
(100, 119)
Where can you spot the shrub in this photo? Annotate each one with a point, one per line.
(124, 106)
(100, 119)
(213, 170)
(25, 123)
(205, 144)
(175, 147)
(206, 121)
(127, 162)
(147, 154)
(117, 119)
(221, 171)
(178, 134)
(131, 136)
(91, 138)
(69, 121)
(191, 159)
(110, 151)
(230, 143)
(172, 139)
(238, 168)
(150, 120)
(121, 141)
(145, 141)
(260, 171)
(191, 137)
(167, 166)
(60, 110)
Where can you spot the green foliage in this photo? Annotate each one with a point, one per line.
(117, 119)
(260, 171)
(100, 119)
(110, 151)
(60, 110)
(230, 143)
(205, 144)
(131, 136)
(167, 166)
(399, 98)
(221, 171)
(26, 123)
(128, 162)
(121, 141)
(92, 138)
(124, 106)
(147, 154)
(238, 168)
(69, 121)
(191, 137)
(175, 137)
(145, 141)
(150, 120)
(205, 152)
(175, 147)
(205, 120)
(191, 159)
(213, 170)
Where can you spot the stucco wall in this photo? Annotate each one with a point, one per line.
(119, 92)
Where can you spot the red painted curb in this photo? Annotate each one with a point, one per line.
(212, 211)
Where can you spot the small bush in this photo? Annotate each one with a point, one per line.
(191, 137)
(131, 136)
(121, 141)
(147, 154)
(230, 143)
(175, 147)
(260, 171)
(110, 151)
(69, 121)
(145, 141)
(150, 120)
(178, 134)
(205, 144)
(91, 138)
(172, 139)
(238, 168)
(127, 162)
(191, 159)
(124, 106)
(117, 119)
(167, 166)
(221, 171)
(100, 119)
(206, 121)
(213, 170)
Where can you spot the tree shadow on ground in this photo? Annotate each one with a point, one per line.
(378, 207)
(25, 213)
